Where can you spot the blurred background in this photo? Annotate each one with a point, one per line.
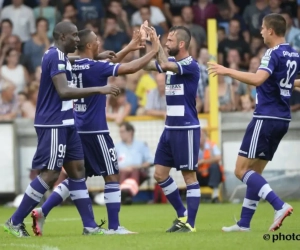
(226, 31)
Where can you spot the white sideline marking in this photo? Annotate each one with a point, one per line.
(51, 220)
(31, 246)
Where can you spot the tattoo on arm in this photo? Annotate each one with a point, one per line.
(161, 57)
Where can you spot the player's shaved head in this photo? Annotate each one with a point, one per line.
(62, 28)
(85, 38)
(182, 34)
(275, 22)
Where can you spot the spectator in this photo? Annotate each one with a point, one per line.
(70, 14)
(145, 84)
(146, 14)
(22, 18)
(118, 108)
(233, 41)
(35, 48)
(6, 28)
(8, 101)
(274, 7)
(115, 7)
(204, 10)
(252, 15)
(157, 18)
(225, 15)
(238, 6)
(114, 38)
(28, 107)
(256, 44)
(132, 99)
(13, 71)
(134, 158)
(174, 8)
(156, 100)
(210, 172)
(221, 34)
(93, 26)
(254, 64)
(50, 13)
(197, 31)
(203, 80)
(89, 10)
(246, 103)
(225, 95)
(13, 42)
(291, 31)
(239, 88)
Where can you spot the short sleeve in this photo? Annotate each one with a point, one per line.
(268, 61)
(187, 67)
(107, 69)
(57, 63)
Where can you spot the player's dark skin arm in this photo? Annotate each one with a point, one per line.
(66, 92)
(136, 65)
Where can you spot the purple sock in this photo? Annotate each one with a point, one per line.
(32, 197)
(193, 201)
(172, 193)
(59, 194)
(260, 186)
(112, 197)
(80, 196)
(249, 207)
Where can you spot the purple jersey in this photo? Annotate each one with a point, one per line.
(90, 115)
(181, 90)
(51, 111)
(272, 97)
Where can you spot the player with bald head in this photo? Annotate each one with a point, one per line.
(90, 120)
(58, 141)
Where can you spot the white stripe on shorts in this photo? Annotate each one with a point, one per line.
(191, 149)
(53, 149)
(254, 139)
(105, 153)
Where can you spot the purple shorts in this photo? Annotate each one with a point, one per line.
(55, 147)
(262, 138)
(99, 154)
(178, 149)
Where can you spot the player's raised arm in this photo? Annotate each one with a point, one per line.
(134, 44)
(255, 79)
(135, 65)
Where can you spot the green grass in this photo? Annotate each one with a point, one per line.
(63, 230)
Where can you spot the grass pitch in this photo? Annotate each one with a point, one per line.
(63, 230)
